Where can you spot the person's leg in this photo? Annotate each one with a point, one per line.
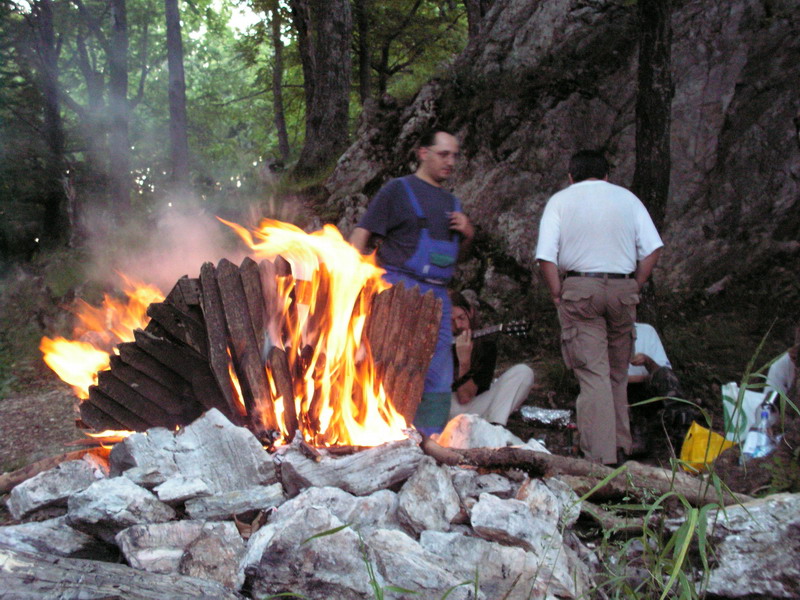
(623, 296)
(479, 405)
(509, 391)
(585, 349)
(434, 408)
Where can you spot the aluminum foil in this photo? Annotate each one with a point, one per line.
(546, 416)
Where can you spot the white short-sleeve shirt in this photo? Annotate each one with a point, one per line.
(648, 342)
(781, 374)
(596, 226)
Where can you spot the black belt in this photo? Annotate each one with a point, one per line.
(602, 275)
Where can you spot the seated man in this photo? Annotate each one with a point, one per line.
(474, 364)
(650, 373)
(783, 372)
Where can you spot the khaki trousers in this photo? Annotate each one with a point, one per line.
(597, 341)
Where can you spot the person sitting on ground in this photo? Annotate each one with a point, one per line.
(650, 373)
(782, 373)
(474, 392)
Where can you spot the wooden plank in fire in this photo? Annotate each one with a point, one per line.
(176, 297)
(182, 408)
(402, 330)
(217, 334)
(205, 390)
(269, 292)
(120, 414)
(190, 290)
(402, 318)
(279, 367)
(377, 322)
(426, 332)
(251, 282)
(99, 420)
(190, 364)
(122, 393)
(244, 349)
(180, 325)
(180, 359)
(137, 358)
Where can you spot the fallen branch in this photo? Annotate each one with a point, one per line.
(611, 522)
(636, 480)
(30, 575)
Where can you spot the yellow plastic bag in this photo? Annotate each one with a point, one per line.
(701, 447)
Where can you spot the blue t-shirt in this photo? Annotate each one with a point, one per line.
(391, 216)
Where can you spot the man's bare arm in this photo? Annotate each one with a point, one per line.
(645, 267)
(360, 238)
(549, 271)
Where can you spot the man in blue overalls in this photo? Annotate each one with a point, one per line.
(423, 234)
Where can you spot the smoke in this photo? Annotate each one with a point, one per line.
(177, 239)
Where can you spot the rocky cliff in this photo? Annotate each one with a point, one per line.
(545, 78)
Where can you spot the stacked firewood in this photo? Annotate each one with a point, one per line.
(227, 320)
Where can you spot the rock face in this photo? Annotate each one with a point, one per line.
(544, 80)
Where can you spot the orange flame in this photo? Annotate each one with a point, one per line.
(99, 329)
(319, 322)
(324, 305)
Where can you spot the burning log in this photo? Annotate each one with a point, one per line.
(402, 330)
(279, 367)
(238, 338)
(218, 355)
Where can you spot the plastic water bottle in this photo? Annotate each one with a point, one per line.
(759, 440)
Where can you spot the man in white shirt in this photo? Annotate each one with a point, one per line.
(650, 366)
(597, 247)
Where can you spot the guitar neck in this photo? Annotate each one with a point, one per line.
(487, 330)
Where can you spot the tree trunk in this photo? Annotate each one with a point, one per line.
(653, 106)
(277, 84)
(361, 8)
(324, 30)
(119, 144)
(179, 141)
(476, 10)
(55, 226)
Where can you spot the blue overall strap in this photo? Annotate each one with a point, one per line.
(412, 198)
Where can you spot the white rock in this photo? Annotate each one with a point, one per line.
(224, 456)
(287, 556)
(52, 487)
(511, 522)
(110, 505)
(361, 474)
(471, 431)
(506, 572)
(428, 499)
(401, 561)
(179, 489)
(54, 536)
(224, 506)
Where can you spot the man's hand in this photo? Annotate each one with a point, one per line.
(359, 239)
(643, 360)
(460, 222)
(464, 350)
(549, 273)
